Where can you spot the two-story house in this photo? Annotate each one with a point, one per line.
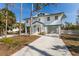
(44, 22)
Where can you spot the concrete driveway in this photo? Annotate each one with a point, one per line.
(44, 46)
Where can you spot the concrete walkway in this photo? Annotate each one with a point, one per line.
(44, 46)
(7, 36)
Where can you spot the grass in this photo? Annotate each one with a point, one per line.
(72, 42)
(11, 45)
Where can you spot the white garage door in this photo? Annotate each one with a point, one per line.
(52, 29)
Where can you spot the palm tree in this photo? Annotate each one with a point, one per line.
(6, 14)
(31, 10)
(20, 18)
(1, 24)
(11, 18)
(20, 22)
(8, 17)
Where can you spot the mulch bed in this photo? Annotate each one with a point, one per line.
(23, 39)
(72, 42)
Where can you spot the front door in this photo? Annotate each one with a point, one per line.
(28, 30)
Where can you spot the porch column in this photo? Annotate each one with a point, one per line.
(59, 31)
(45, 29)
(25, 29)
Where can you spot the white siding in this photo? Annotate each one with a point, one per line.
(43, 19)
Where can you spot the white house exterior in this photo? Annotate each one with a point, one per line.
(43, 22)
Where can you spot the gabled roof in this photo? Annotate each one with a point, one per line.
(38, 22)
(48, 15)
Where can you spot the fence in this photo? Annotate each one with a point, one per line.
(69, 31)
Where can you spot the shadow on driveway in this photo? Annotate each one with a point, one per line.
(40, 51)
(59, 47)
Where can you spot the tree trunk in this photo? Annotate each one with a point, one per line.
(20, 19)
(6, 26)
(31, 20)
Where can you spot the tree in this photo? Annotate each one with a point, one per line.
(2, 26)
(8, 17)
(11, 18)
(20, 18)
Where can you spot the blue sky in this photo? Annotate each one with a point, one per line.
(70, 10)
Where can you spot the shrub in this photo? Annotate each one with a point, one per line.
(70, 27)
(10, 42)
(42, 33)
(7, 40)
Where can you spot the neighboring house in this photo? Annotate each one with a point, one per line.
(44, 22)
(14, 30)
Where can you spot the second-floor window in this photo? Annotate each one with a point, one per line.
(56, 17)
(48, 18)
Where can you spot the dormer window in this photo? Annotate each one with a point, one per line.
(56, 17)
(41, 14)
(48, 18)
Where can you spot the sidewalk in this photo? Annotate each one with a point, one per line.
(44, 46)
(7, 36)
